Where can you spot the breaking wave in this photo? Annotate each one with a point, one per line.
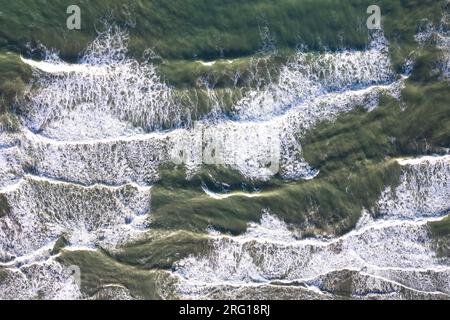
(41, 211)
(106, 93)
(39, 280)
(388, 256)
(79, 111)
(310, 75)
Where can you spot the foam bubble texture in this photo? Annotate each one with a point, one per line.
(43, 210)
(392, 254)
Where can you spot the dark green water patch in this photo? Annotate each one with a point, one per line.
(14, 75)
(332, 203)
(159, 249)
(4, 206)
(98, 270)
(60, 244)
(441, 228)
(426, 65)
(440, 232)
(402, 20)
(417, 124)
(191, 29)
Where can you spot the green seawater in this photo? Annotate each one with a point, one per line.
(355, 153)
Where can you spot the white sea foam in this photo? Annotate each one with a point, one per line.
(309, 75)
(424, 189)
(82, 109)
(42, 210)
(393, 251)
(257, 149)
(11, 157)
(390, 255)
(91, 118)
(40, 280)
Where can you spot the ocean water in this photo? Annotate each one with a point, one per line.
(77, 180)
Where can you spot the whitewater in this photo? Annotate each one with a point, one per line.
(96, 134)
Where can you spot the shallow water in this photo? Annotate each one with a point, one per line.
(96, 136)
